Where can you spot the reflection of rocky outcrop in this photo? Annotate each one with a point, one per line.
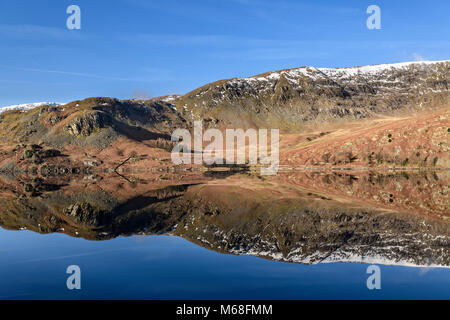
(315, 235)
(242, 215)
(46, 208)
(346, 219)
(85, 213)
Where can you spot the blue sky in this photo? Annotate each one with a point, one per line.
(146, 48)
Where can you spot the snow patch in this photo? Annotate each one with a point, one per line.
(29, 106)
(170, 98)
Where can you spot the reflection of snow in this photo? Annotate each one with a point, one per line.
(342, 256)
(380, 255)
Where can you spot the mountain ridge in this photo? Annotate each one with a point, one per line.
(312, 108)
(289, 98)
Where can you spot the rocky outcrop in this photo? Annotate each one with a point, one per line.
(87, 124)
(91, 122)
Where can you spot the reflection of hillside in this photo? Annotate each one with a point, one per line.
(295, 217)
(92, 207)
(424, 193)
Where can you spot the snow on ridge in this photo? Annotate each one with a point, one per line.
(379, 67)
(350, 71)
(29, 106)
(170, 98)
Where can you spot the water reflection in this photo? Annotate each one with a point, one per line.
(303, 217)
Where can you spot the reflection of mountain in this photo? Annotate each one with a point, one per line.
(294, 217)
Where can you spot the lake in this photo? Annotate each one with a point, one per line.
(300, 235)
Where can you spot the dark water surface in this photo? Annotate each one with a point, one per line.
(34, 266)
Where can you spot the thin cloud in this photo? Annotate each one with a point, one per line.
(87, 75)
(176, 39)
(298, 7)
(258, 49)
(39, 32)
(93, 253)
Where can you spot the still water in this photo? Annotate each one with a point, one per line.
(296, 236)
(34, 266)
